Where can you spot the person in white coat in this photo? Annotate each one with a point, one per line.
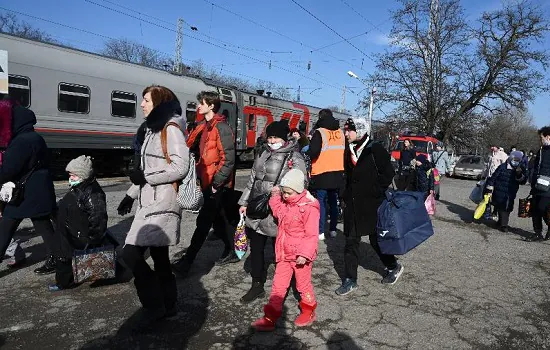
(156, 224)
(498, 157)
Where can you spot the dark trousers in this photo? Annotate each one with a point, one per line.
(257, 256)
(351, 256)
(540, 212)
(403, 180)
(212, 213)
(156, 289)
(42, 226)
(328, 198)
(503, 217)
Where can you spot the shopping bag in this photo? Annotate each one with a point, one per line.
(480, 210)
(430, 204)
(240, 239)
(524, 209)
(477, 193)
(94, 264)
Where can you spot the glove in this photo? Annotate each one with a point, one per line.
(137, 177)
(125, 205)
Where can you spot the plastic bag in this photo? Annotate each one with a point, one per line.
(524, 209)
(240, 239)
(480, 210)
(477, 193)
(430, 204)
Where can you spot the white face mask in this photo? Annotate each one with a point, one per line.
(275, 146)
(546, 142)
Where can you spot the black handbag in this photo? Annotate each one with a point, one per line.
(258, 207)
(18, 192)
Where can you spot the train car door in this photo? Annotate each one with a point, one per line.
(229, 110)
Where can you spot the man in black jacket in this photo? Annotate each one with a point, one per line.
(540, 188)
(368, 173)
(326, 151)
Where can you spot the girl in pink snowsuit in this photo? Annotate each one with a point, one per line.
(297, 212)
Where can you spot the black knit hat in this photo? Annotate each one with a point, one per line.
(279, 129)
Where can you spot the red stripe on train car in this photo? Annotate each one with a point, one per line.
(86, 132)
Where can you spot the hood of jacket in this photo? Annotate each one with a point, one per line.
(23, 120)
(161, 114)
(329, 123)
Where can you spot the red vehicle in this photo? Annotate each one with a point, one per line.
(423, 144)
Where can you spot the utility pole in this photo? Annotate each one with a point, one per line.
(373, 91)
(298, 97)
(343, 106)
(179, 43)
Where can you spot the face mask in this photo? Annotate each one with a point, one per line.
(275, 146)
(514, 163)
(73, 183)
(546, 142)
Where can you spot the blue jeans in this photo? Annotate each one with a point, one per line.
(329, 197)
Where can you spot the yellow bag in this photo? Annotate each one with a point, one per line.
(480, 210)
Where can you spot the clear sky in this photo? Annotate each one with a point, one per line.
(250, 33)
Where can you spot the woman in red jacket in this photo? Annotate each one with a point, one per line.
(297, 212)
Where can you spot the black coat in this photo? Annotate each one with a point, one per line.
(405, 157)
(505, 182)
(329, 180)
(26, 150)
(423, 179)
(83, 212)
(543, 169)
(366, 184)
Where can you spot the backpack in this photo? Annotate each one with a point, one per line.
(403, 222)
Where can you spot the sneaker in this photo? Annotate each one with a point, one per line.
(229, 258)
(255, 292)
(333, 234)
(503, 229)
(392, 275)
(322, 237)
(347, 287)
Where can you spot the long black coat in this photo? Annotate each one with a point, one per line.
(25, 150)
(366, 184)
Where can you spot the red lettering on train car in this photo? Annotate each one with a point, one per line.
(251, 115)
(307, 115)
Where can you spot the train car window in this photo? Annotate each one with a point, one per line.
(73, 98)
(123, 104)
(20, 89)
(191, 112)
(252, 100)
(303, 126)
(251, 120)
(226, 95)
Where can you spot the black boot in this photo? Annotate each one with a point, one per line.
(547, 237)
(48, 267)
(255, 292)
(181, 268)
(535, 237)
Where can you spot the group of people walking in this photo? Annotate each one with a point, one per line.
(295, 184)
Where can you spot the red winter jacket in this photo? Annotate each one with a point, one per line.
(217, 154)
(298, 231)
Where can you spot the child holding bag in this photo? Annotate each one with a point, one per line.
(298, 213)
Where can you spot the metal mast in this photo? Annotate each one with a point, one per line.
(179, 43)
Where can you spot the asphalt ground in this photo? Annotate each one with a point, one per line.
(468, 287)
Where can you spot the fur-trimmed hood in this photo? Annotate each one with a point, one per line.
(161, 114)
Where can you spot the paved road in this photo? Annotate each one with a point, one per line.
(467, 287)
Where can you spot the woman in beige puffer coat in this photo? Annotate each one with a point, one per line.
(156, 224)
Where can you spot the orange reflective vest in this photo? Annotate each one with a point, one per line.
(331, 157)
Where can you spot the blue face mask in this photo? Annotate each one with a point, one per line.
(73, 183)
(514, 163)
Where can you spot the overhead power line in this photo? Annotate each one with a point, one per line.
(325, 83)
(275, 31)
(377, 27)
(332, 30)
(341, 41)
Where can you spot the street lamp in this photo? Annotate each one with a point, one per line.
(372, 92)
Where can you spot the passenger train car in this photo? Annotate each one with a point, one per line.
(89, 104)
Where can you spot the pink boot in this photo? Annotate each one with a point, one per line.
(268, 321)
(307, 315)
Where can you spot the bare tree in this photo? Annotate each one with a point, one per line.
(441, 75)
(511, 127)
(10, 24)
(131, 51)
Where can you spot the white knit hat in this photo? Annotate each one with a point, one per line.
(81, 167)
(294, 179)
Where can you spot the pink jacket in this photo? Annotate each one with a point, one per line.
(298, 229)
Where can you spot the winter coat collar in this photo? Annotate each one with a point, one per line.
(297, 198)
(215, 120)
(161, 114)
